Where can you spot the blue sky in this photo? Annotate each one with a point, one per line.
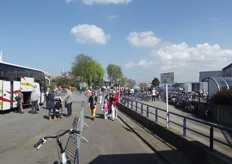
(144, 37)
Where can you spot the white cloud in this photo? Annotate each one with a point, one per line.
(130, 64)
(89, 34)
(145, 63)
(200, 53)
(143, 39)
(90, 2)
(184, 60)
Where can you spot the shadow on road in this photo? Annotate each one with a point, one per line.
(124, 159)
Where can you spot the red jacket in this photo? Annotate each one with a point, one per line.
(115, 100)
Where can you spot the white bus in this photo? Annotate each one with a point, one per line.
(14, 77)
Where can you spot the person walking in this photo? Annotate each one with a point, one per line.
(34, 101)
(154, 93)
(68, 100)
(20, 102)
(92, 105)
(105, 109)
(100, 96)
(87, 94)
(108, 97)
(51, 105)
(46, 95)
(115, 104)
(37, 89)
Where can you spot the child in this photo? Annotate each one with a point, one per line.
(105, 109)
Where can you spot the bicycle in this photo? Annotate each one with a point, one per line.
(63, 159)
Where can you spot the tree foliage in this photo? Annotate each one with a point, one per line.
(143, 85)
(123, 81)
(114, 72)
(155, 82)
(87, 69)
(223, 97)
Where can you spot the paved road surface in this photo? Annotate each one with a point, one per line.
(109, 141)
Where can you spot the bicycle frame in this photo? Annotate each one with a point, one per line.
(64, 159)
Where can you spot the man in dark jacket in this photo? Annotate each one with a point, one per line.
(51, 105)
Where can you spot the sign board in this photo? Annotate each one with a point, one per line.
(167, 78)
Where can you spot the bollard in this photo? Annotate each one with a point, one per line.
(131, 104)
(156, 115)
(168, 120)
(136, 106)
(141, 109)
(147, 111)
(211, 139)
(184, 128)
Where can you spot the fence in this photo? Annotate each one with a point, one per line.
(73, 145)
(197, 128)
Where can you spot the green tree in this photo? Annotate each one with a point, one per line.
(97, 73)
(87, 69)
(114, 72)
(155, 82)
(143, 85)
(123, 81)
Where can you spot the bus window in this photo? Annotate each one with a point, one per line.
(23, 72)
(8, 72)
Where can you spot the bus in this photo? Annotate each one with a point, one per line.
(14, 78)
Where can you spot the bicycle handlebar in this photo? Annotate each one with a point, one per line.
(44, 139)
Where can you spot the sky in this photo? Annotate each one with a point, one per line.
(144, 37)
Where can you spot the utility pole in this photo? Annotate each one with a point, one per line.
(1, 56)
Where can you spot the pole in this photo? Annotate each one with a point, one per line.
(1, 56)
(167, 105)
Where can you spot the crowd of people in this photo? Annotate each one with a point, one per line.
(108, 103)
(34, 100)
(53, 103)
(107, 100)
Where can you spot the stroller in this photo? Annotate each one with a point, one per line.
(58, 107)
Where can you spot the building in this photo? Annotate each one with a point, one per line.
(217, 80)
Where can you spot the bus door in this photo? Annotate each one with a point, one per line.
(16, 87)
(5, 95)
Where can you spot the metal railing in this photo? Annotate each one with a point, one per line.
(72, 150)
(180, 120)
(80, 126)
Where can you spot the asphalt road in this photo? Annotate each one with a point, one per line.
(109, 141)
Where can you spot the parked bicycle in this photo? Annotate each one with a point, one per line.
(62, 154)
